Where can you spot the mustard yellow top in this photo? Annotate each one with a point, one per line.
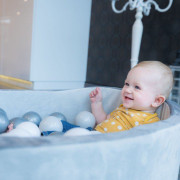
(122, 119)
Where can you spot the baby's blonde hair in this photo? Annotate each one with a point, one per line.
(165, 73)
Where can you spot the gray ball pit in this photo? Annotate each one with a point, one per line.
(148, 152)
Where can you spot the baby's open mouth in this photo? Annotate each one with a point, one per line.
(128, 98)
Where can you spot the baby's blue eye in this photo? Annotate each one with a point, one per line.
(137, 87)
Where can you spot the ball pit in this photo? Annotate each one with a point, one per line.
(149, 152)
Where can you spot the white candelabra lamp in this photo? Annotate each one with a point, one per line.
(137, 30)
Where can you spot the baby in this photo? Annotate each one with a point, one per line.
(146, 87)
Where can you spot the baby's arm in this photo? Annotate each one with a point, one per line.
(96, 105)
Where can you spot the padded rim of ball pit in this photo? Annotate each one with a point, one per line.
(148, 152)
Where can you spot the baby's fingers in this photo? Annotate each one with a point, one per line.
(93, 93)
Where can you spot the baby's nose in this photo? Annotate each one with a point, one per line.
(129, 89)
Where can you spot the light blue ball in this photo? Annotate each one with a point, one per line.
(59, 115)
(1, 110)
(16, 121)
(33, 117)
(4, 121)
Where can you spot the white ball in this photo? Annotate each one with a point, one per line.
(77, 132)
(51, 123)
(85, 119)
(95, 132)
(30, 127)
(17, 133)
(25, 129)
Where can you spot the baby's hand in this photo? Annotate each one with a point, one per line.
(10, 127)
(95, 95)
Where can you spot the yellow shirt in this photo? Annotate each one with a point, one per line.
(122, 119)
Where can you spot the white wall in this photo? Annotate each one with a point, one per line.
(47, 43)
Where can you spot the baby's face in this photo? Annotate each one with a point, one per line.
(140, 89)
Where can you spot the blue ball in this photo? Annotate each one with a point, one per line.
(4, 121)
(16, 121)
(33, 117)
(59, 115)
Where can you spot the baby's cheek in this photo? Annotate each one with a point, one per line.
(147, 100)
(143, 100)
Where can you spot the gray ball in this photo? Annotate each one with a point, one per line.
(33, 117)
(56, 133)
(59, 116)
(4, 121)
(16, 121)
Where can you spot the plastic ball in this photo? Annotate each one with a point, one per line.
(77, 132)
(56, 133)
(59, 116)
(25, 129)
(4, 121)
(31, 128)
(85, 119)
(16, 121)
(33, 117)
(51, 123)
(2, 110)
(95, 132)
(17, 133)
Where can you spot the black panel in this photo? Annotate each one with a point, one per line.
(110, 40)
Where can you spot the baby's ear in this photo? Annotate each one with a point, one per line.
(158, 101)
